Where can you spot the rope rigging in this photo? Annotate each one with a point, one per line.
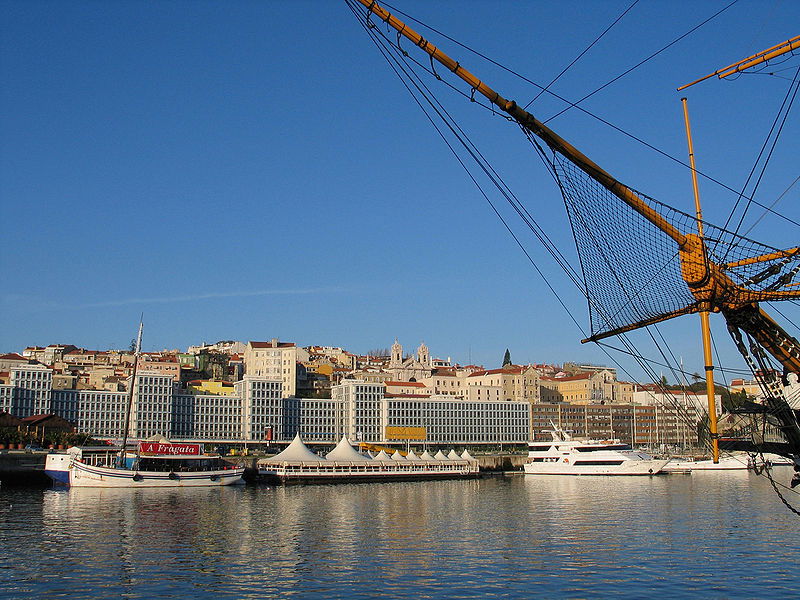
(636, 254)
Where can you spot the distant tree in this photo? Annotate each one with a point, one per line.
(133, 345)
(507, 358)
(379, 352)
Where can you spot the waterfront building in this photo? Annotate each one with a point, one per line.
(370, 415)
(655, 395)
(28, 390)
(641, 425)
(259, 411)
(98, 412)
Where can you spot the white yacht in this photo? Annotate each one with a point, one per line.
(565, 456)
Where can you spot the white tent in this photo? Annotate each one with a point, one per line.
(397, 455)
(467, 456)
(426, 456)
(440, 456)
(345, 452)
(411, 456)
(297, 451)
(382, 456)
(453, 456)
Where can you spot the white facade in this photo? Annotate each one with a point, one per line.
(447, 420)
(262, 407)
(678, 399)
(31, 390)
(99, 412)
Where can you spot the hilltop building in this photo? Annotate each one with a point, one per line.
(275, 360)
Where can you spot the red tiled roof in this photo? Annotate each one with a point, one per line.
(405, 383)
(34, 419)
(13, 356)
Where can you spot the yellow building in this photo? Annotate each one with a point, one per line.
(211, 387)
(584, 388)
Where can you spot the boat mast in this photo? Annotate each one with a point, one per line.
(137, 351)
(705, 308)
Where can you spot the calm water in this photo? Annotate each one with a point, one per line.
(718, 535)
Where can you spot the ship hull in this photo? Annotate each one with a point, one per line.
(630, 467)
(82, 475)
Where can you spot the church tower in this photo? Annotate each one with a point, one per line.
(424, 355)
(396, 359)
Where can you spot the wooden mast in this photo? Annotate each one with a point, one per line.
(137, 351)
(705, 308)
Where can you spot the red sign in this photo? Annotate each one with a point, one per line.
(169, 449)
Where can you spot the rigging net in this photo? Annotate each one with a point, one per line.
(631, 268)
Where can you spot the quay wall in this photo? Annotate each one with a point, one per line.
(23, 466)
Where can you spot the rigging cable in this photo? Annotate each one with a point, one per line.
(785, 114)
(577, 58)
(643, 61)
(778, 199)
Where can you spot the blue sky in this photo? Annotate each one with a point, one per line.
(249, 170)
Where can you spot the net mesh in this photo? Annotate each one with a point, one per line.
(631, 269)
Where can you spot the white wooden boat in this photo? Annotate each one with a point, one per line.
(154, 464)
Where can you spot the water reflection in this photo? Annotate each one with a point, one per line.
(510, 537)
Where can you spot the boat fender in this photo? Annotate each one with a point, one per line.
(214, 477)
(650, 471)
(566, 460)
(172, 475)
(137, 477)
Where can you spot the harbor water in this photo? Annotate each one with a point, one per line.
(715, 535)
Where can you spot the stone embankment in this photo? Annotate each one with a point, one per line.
(23, 466)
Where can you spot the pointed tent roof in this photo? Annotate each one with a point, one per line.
(382, 456)
(411, 455)
(397, 455)
(345, 452)
(440, 456)
(452, 455)
(297, 451)
(467, 456)
(426, 456)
